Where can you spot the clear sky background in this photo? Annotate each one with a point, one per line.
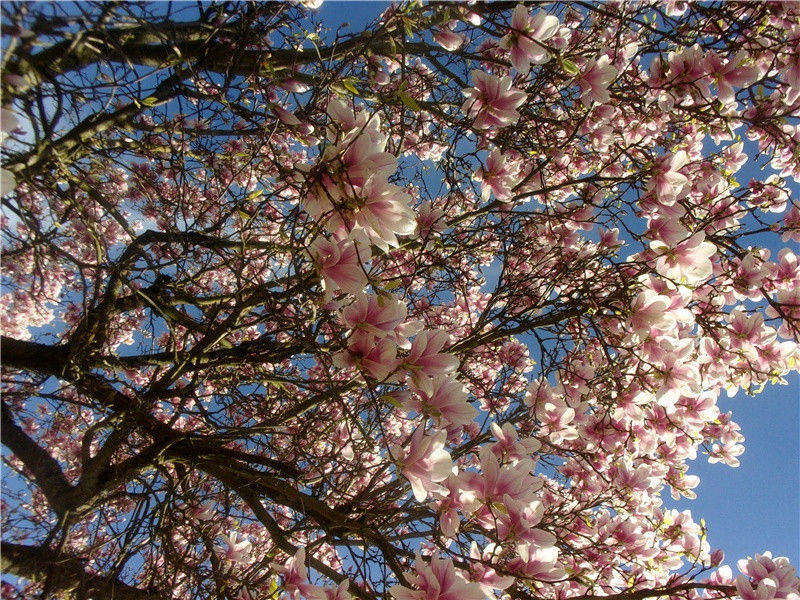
(756, 506)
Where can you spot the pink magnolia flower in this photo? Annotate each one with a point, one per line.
(595, 79)
(376, 356)
(538, 563)
(293, 572)
(437, 580)
(494, 484)
(483, 573)
(339, 592)
(768, 579)
(238, 548)
(457, 500)
(667, 182)
(517, 521)
(509, 444)
(426, 356)
(492, 102)
(497, 176)
(442, 398)
(424, 462)
(730, 73)
(526, 37)
(447, 38)
(383, 214)
(689, 262)
(377, 315)
(649, 310)
(338, 263)
(350, 193)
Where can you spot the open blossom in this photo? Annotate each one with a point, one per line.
(350, 192)
(447, 38)
(483, 574)
(238, 548)
(442, 398)
(424, 462)
(765, 578)
(649, 310)
(538, 563)
(689, 262)
(339, 592)
(731, 73)
(377, 357)
(668, 182)
(509, 444)
(379, 315)
(594, 80)
(495, 485)
(426, 356)
(295, 578)
(338, 263)
(437, 580)
(525, 41)
(492, 102)
(497, 176)
(383, 214)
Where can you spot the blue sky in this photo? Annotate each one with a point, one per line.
(749, 509)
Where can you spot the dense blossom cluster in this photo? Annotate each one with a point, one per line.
(437, 311)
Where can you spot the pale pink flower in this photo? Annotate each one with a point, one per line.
(375, 356)
(293, 572)
(437, 580)
(424, 462)
(538, 563)
(350, 193)
(492, 102)
(378, 315)
(383, 214)
(791, 224)
(649, 310)
(443, 399)
(668, 182)
(329, 593)
(517, 520)
(447, 38)
(689, 262)
(483, 574)
(426, 356)
(238, 548)
(509, 444)
(338, 263)
(497, 176)
(768, 579)
(526, 37)
(594, 80)
(496, 484)
(730, 73)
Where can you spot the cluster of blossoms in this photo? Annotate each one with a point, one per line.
(438, 311)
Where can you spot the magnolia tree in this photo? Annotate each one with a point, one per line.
(434, 311)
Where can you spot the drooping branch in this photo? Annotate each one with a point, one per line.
(45, 469)
(67, 574)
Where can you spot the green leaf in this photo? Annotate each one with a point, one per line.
(392, 400)
(409, 101)
(350, 87)
(570, 67)
(150, 101)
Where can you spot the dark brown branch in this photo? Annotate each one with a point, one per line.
(65, 573)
